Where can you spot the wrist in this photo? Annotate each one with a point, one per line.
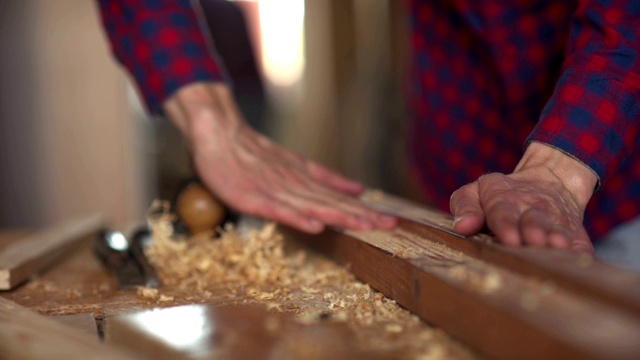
(553, 164)
(205, 113)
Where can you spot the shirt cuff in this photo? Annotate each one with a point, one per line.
(591, 117)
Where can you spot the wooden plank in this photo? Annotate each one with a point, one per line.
(499, 312)
(27, 335)
(22, 259)
(580, 274)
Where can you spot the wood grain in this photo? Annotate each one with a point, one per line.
(581, 274)
(27, 335)
(497, 311)
(28, 255)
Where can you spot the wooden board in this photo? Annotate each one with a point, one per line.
(27, 335)
(499, 312)
(580, 274)
(26, 256)
(501, 307)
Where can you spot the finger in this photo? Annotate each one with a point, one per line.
(284, 214)
(585, 247)
(333, 179)
(577, 241)
(535, 227)
(347, 204)
(334, 210)
(502, 220)
(467, 212)
(559, 238)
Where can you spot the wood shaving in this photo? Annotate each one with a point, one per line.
(148, 292)
(256, 268)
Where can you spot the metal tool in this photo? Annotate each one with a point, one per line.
(126, 257)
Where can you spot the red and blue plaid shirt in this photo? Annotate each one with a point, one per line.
(486, 77)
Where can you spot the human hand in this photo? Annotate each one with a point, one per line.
(540, 204)
(255, 176)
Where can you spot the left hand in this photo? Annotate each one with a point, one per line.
(541, 203)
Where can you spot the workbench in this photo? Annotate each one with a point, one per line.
(460, 298)
(79, 292)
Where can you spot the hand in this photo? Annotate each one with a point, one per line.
(253, 175)
(540, 204)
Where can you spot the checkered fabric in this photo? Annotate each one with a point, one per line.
(486, 77)
(161, 44)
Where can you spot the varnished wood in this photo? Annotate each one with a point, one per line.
(27, 256)
(27, 335)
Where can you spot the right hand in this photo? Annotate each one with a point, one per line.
(255, 176)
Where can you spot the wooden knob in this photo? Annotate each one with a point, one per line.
(198, 209)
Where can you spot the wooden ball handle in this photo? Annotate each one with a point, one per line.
(198, 209)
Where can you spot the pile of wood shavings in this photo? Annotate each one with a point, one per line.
(257, 269)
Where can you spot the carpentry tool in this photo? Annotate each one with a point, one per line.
(26, 256)
(198, 209)
(126, 257)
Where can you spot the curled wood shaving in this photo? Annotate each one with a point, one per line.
(256, 268)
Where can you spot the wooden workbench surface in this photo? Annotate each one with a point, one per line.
(79, 284)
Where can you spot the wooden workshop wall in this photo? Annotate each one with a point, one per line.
(70, 141)
(352, 114)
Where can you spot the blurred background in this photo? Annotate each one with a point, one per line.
(322, 77)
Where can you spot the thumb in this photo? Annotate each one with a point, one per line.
(468, 216)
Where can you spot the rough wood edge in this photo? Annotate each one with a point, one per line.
(35, 252)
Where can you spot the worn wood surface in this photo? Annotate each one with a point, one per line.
(81, 285)
(497, 311)
(27, 335)
(22, 257)
(580, 274)
(505, 302)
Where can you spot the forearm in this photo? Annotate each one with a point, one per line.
(205, 114)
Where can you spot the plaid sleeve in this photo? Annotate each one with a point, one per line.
(161, 43)
(594, 112)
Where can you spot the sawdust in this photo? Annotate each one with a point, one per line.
(256, 268)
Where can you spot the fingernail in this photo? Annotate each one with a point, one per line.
(457, 219)
(315, 225)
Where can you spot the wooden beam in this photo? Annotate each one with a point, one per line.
(27, 335)
(498, 310)
(31, 254)
(580, 274)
